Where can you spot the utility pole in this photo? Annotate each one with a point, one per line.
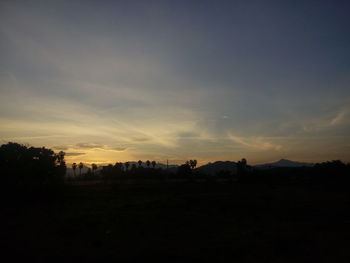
(167, 164)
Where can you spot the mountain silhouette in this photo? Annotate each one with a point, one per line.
(284, 163)
(228, 166)
(217, 167)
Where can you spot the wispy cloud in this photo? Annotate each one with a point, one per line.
(86, 145)
(118, 149)
(74, 154)
(140, 139)
(341, 117)
(61, 147)
(325, 123)
(257, 143)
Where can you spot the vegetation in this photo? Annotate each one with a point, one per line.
(74, 167)
(128, 213)
(28, 167)
(81, 166)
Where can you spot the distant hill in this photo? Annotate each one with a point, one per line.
(283, 163)
(216, 167)
(219, 166)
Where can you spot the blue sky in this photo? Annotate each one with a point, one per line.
(211, 80)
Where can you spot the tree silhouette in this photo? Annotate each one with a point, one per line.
(94, 168)
(140, 163)
(127, 164)
(148, 163)
(118, 168)
(74, 167)
(61, 162)
(184, 169)
(193, 163)
(81, 165)
(133, 168)
(23, 166)
(154, 164)
(60, 157)
(242, 166)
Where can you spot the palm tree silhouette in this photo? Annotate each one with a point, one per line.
(74, 166)
(148, 163)
(193, 163)
(242, 166)
(133, 167)
(94, 168)
(60, 158)
(139, 162)
(81, 165)
(154, 164)
(127, 164)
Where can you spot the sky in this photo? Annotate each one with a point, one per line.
(109, 81)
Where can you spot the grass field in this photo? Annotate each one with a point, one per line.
(181, 222)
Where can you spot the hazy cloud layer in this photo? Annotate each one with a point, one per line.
(89, 145)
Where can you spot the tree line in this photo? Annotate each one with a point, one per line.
(25, 166)
(118, 166)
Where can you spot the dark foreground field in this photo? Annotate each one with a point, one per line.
(180, 222)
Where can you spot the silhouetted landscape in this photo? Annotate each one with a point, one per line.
(248, 214)
(175, 131)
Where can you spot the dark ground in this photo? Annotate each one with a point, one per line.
(180, 222)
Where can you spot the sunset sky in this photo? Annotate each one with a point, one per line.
(109, 81)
